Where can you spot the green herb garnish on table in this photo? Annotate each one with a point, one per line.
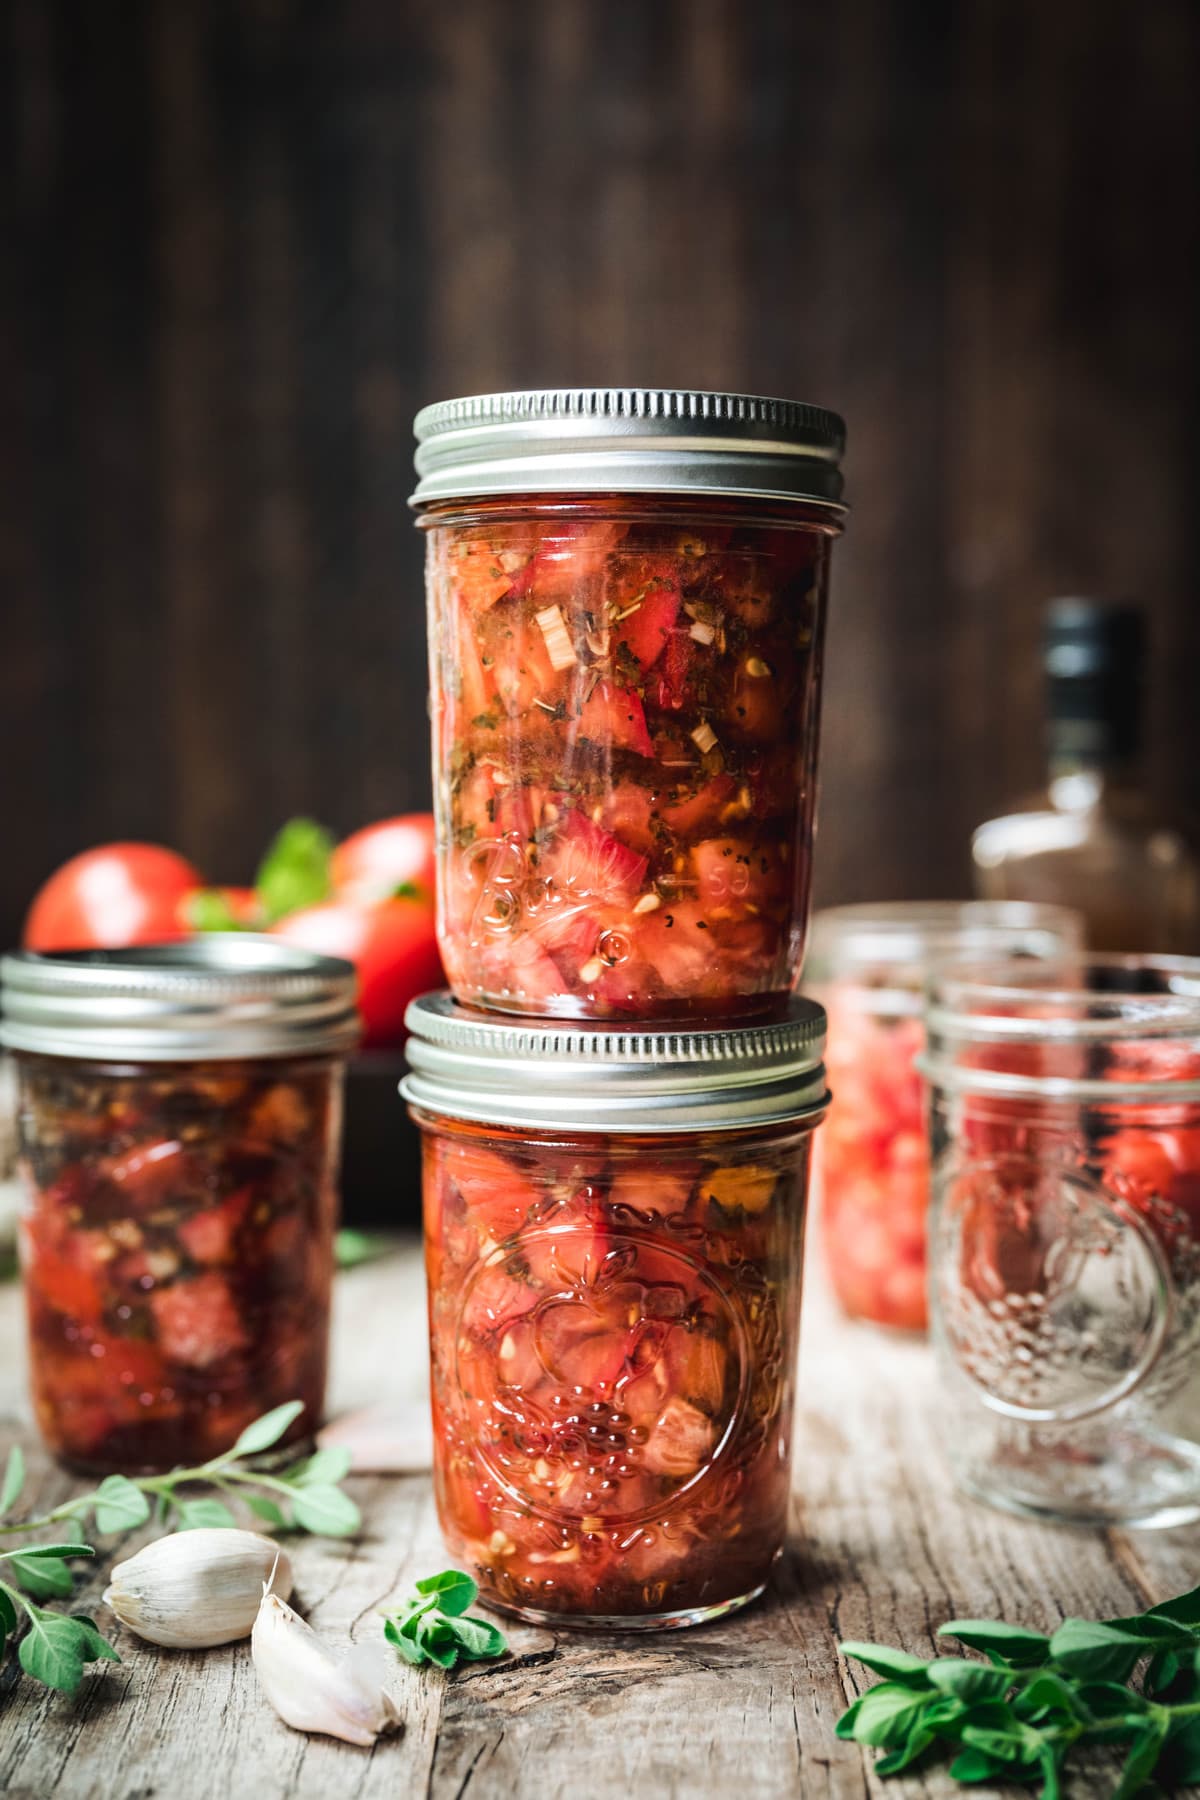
(1022, 1714)
(432, 1626)
(55, 1646)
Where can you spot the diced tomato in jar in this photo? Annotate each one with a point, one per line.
(872, 1166)
(650, 670)
(177, 1250)
(612, 1326)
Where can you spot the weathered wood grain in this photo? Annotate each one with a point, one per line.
(882, 1548)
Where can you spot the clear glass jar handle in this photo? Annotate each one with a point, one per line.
(1048, 1294)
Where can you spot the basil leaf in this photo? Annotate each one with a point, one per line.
(45, 1578)
(204, 1514)
(1023, 1649)
(325, 1511)
(295, 872)
(454, 1591)
(260, 1434)
(14, 1479)
(119, 1505)
(897, 1665)
(8, 1616)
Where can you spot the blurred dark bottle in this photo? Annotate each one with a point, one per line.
(1090, 840)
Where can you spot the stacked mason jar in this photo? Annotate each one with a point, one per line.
(626, 603)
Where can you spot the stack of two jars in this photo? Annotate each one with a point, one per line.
(626, 606)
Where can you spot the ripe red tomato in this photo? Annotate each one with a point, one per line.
(391, 943)
(374, 862)
(117, 894)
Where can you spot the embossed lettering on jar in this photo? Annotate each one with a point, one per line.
(614, 1318)
(626, 693)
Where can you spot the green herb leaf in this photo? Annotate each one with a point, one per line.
(14, 1479)
(265, 1509)
(321, 1469)
(453, 1591)
(325, 1511)
(8, 1616)
(1143, 1755)
(479, 1639)
(1094, 1652)
(208, 909)
(972, 1765)
(1012, 1643)
(119, 1505)
(883, 1715)
(897, 1665)
(101, 1649)
(295, 871)
(1184, 1609)
(437, 1638)
(50, 1550)
(56, 1647)
(431, 1628)
(350, 1248)
(203, 1514)
(44, 1578)
(969, 1680)
(404, 1640)
(1049, 1693)
(260, 1434)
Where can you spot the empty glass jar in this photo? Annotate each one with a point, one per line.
(1065, 1234)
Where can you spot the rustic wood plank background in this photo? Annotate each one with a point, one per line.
(882, 1548)
(243, 239)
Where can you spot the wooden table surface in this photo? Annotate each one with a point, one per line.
(882, 1549)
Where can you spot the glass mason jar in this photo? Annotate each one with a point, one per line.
(180, 1129)
(626, 607)
(868, 967)
(1065, 1234)
(614, 1231)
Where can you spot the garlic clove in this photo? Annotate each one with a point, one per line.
(197, 1588)
(314, 1688)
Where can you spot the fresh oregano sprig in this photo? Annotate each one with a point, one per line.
(305, 1497)
(1038, 1698)
(55, 1646)
(432, 1627)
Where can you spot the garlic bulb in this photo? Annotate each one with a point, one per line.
(312, 1687)
(197, 1588)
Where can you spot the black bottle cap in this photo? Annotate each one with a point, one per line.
(1094, 654)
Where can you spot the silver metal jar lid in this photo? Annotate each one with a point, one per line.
(621, 440)
(494, 1070)
(220, 996)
